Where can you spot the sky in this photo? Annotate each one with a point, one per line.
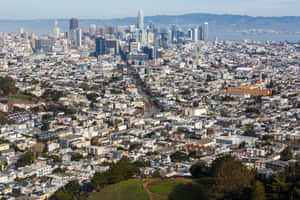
(98, 9)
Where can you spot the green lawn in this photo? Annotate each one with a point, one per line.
(177, 189)
(163, 187)
(191, 191)
(127, 190)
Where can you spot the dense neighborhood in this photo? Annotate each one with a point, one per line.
(73, 104)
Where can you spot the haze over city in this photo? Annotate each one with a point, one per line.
(37, 9)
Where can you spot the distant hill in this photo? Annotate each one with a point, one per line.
(229, 23)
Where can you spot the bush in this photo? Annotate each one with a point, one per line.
(7, 86)
(26, 159)
(199, 169)
(179, 157)
(76, 157)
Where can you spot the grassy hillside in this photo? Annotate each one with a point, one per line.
(151, 189)
(127, 190)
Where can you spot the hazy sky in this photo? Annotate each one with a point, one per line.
(41, 9)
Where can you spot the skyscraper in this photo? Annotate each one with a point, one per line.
(195, 34)
(174, 33)
(104, 46)
(100, 46)
(56, 30)
(140, 23)
(200, 33)
(190, 34)
(73, 24)
(93, 29)
(205, 31)
(78, 37)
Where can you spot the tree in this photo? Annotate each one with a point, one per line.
(286, 154)
(99, 181)
(242, 145)
(7, 86)
(73, 186)
(61, 195)
(71, 191)
(76, 157)
(258, 99)
(92, 97)
(59, 170)
(26, 159)
(156, 174)
(84, 86)
(259, 192)
(277, 189)
(250, 130)
(53, 95)
(45, 126)
(179, 156)
(199, 169)
(123, 170)
(231, 179)
(55, 158)
(134, 146)
(3, 119)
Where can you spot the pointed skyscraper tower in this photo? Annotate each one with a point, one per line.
(56, 30)
(140, 23)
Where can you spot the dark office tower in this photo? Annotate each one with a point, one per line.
(174, 33)
(102, 31)
(151, 27)
(110, 30)
(164, 40)
(190, 34)
(73, 24)
(112, 46)
(200, 33)
(43, 45)
(100, 46)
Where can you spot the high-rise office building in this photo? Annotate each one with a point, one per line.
(112, 46)
(205, 31)
(190, 34)
(104, 46)
(43, 45)
(141, 36)
(73, 24)
(164, 40)
(56, 30)
(78, 37)
(200, 33)
(93, 29)
(140, 23)
(100, 46)
(110, 30)
(195, 34)
(174, 33)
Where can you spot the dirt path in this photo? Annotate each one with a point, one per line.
(145, 185)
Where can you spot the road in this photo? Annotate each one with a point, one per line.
(150, 108)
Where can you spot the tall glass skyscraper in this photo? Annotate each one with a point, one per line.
(205, 31)
(73, 24)
(200, 33)
(100, 46)
(78, 37)
(140, 23)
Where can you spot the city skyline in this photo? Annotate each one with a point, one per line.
(34, 9)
